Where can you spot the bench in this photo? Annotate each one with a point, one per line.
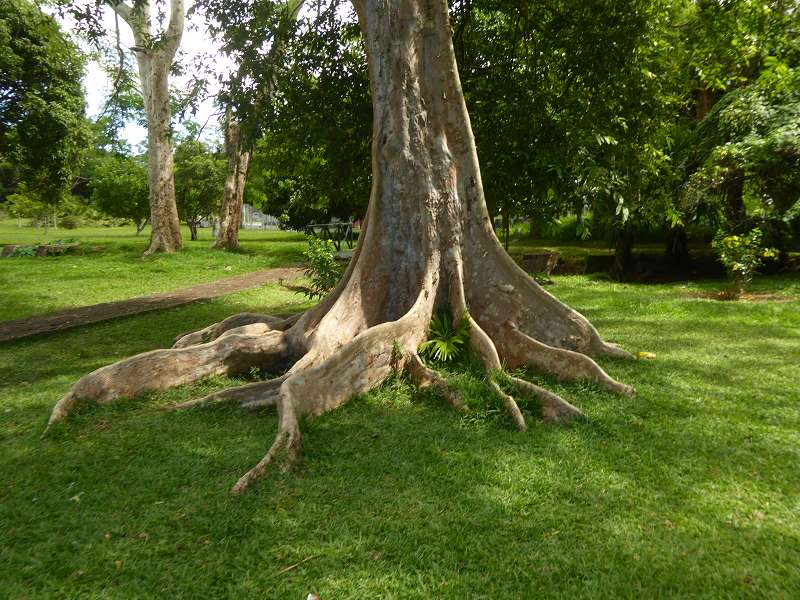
(335, 232)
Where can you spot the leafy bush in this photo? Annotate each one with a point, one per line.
(23, 251)
(741, 256)
(445, 342)
(70, 222)
(324, 271)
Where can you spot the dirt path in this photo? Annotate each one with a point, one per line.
(75, 317)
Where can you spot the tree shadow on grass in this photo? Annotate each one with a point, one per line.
(390, 495)
(655, 495)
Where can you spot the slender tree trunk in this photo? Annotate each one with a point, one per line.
(154, 61)
(623, 251)
(678, 246)
(506, 226)
(230, 216)
(166, 231)
(734, 195)
(237, 148)
(192, 229)
(705, 100)
(427, 244)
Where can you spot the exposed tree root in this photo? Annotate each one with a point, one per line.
(553, 408)
(511, 405)
(251, 395)
(288, 441)
(424, 377)
(238, 323)
(164, 369)
(567, 365)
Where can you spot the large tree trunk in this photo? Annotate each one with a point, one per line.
(427, 244)
(230, 216)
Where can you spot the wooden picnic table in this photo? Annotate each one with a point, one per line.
(336, 232)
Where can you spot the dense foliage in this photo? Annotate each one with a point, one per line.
(43, 131)
(199, 178)
(119, 188)
(618, 121)
(741, 255)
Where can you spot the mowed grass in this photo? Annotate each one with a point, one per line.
(689, 489)
(111, 266)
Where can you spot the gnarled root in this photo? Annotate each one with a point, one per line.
(163, 369)
(355, 368)
(241, 323)
(287, 440)
(519, 349)
(251, 395)
(553, 408)
(424, 377)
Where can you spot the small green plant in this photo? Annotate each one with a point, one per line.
(445, 342)
(323, 271)
(24, 251)
(741, 255)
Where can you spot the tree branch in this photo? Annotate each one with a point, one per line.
(123, 10)
(175, 27)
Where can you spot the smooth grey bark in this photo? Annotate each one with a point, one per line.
(154, 55)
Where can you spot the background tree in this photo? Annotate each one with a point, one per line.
(155, 51)
(313, 163)
(119, 188)
(199, 180)
(155, 48)
(740, 154)
(244, 34)
(43, 130)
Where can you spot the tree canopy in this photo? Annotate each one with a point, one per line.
(43, 130)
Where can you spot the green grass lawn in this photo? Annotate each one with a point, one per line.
(113, 267)
(691, 488)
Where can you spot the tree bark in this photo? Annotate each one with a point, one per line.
(678, 246)
(427, 243)
(506, 225)
(230, 216)
(623, 251)
(154, 58)
(734, 194)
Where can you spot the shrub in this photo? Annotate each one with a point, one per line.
(741, 256)
(70, 222)
(323, 270)
(23, 251)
